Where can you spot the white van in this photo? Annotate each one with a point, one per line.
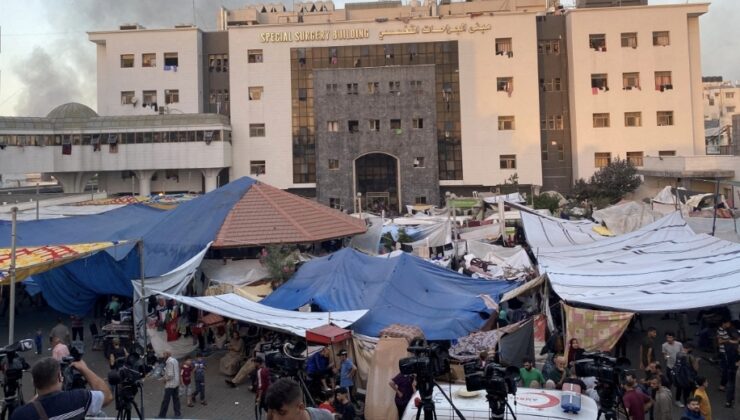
(531, 404)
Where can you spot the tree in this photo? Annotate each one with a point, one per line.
(615, 180)
(547, 201)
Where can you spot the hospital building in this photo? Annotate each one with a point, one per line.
(394, 102)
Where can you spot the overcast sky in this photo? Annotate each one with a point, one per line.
(46, 59)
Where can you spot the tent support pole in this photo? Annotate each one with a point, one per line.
(716, 203)
(140, 245)
(14, 224)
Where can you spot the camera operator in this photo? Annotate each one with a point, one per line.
(52, 402)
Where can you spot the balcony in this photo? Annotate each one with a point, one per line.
(716, 166)
(722, 150)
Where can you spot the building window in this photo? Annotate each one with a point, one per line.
(394, 88)
(505, 84)
(353, 126)
(332, 88)
(729, 95)
(150, 97)
(333, 164)
(629, 39)
(302, 94)
(601, 120)
(352, 89)
(661, 38)
(335, 203)
(419, 162)
(545, 154)
(561, 152)
(551, 85)
(507, 161)
(730, 109)
(597, 42)
(599, 81)
(548, 46)
(149, 60)
(633, 119)
(374, 125)
(170, 59)
(254, 56)
(665, 118)
(602, 159)
(635, 158)
(256, 130)
(395, 124)
(332, 126)
(373, 87)
(255, 93)
(552, 122)
(218, 63)
(171, 96)
(420, 200)
(127, 97)
(417, 123)
(666, 153)
(127, 61)
(663, 80)
(416, 86)
(504, 47)
(506, 122)
(257, 167)
(630, 81)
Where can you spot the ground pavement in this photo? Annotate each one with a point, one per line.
(229, 403)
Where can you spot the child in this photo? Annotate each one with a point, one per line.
(326, 402)
(186, 373)
(199, 374)
(39, 341)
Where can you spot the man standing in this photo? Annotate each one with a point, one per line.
(347, 371)
(59, 350)
(663, 406)
(693, 410)
(635, 402)
(78, 327)
(171, 386)
(404, 387)
(53, 403)
(317, 369)
(61, 331)
(263, 383)
(647, 348)
(727, 345)
(531, 377)
(284, 401)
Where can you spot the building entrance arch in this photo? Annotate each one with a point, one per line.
(377, 183)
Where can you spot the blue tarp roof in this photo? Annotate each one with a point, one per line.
(170, 238)
(401, 290)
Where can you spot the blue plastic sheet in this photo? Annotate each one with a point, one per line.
(403, 290)
(170, 238)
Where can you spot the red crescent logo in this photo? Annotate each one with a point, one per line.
(536, 400)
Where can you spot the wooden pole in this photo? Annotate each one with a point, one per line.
(140, 246)
(14, 223)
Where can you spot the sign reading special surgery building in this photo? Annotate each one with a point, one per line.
(304, 36)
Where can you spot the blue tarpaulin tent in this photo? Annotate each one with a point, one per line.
(405, 289)
(170, 238)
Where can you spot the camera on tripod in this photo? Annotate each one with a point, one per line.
(72, 378)
(16, 364)
(126, 383)
(285, 359)
(606, 369)
(429, 360)
(493, 378)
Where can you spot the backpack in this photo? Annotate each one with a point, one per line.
(684, 374)
(200, 372)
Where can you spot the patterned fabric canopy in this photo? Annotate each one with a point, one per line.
(36, 259)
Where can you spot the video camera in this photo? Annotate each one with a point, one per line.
(286, 359)
(429, 360)
(605, 368)
(494, 378)
(72, 378)
(15, 364)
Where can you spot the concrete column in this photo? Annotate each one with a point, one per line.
(73, 182)
(210, 176)
(145, 182)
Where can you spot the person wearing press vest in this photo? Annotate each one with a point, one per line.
(51, 402)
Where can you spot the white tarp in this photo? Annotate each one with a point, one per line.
(661, 267)
(512, 198)
(238, 272)
(236, 307)
(547, 231)
(626, 217)
(173, 282)
(439, 234)
(492, 231)
(724, 228)
(369, 241)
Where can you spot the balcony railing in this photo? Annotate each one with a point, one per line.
(723, 150)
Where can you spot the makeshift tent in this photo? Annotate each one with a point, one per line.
(511, 198)
(56, 212)
(626, 217)
(236, 272)
(439, 234)
(293, 322)
(170, 239)
(268, 215)
(37, 259)
(661, 267)
(328, 334)
(443, 303)
(490, 231)
(369, 241)
(595, 330)
(548, 231)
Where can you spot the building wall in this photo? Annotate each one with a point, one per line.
(480, 103)
(112, 79)
(215, 75)
(680, 57)
(117, 182)
(408, 144)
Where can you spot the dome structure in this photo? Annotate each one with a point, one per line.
(72, 110)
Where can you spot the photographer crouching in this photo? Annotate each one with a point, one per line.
(52, 402)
